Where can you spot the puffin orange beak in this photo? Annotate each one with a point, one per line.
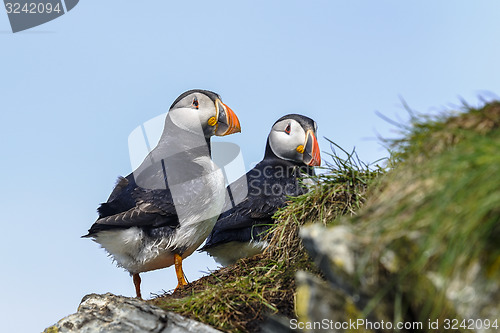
(312, 156)
(227, 121)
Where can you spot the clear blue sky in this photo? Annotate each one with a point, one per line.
(72, 90)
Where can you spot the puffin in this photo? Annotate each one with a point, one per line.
(163, 211)
(291, 154)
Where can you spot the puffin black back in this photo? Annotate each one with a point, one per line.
(270, 183)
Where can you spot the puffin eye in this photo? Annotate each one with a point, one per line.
(288, 129)
(195, 103)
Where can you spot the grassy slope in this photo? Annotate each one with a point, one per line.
(238, 297)
(437, 209)
(439, 212)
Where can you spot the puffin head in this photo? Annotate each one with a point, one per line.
(293, 138)
(195, 109)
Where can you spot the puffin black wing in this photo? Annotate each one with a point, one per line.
(143, 199)
(152, 210)
(269, 185)
(132, 206)
(244, 222)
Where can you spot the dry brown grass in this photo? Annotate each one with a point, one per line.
(239, 297)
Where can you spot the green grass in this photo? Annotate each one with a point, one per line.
(438, 209)
(238, 298)
(433, 214)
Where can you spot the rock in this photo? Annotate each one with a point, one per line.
(333, 252)
(352, 284)
(109, 314)
(321, 307)
(278, 324)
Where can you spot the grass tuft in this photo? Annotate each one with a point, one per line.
(430, 221)
(239, 297)
(439, 208)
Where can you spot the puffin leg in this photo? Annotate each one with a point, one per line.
(179, 272)
(137, 284)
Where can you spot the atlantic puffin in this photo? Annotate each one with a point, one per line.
(291, 153)
(164, 210)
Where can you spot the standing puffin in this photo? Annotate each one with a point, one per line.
(160, 213)
(291, 153)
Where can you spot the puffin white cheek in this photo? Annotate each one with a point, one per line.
(187, 119)
(285, 146)
(298, 157)
(294, 144)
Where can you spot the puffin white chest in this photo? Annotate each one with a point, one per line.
(200, 205)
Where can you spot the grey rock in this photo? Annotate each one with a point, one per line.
(349, 290)
(109, 314)
(278, 324)
(333, 250)
(319, 304)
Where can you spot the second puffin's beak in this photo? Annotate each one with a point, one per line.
(227, 121)
(311, 150)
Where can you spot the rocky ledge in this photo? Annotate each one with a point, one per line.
(117, 314)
